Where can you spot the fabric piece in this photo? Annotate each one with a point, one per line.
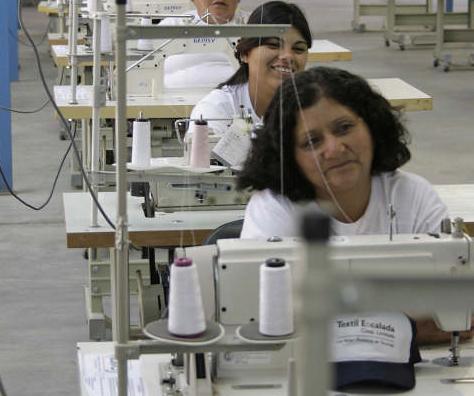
(198, 70)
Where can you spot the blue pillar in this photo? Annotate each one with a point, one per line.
(5, 117)
(13, 37)
(449, 5)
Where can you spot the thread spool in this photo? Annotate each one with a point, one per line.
(91, 6)
(200, 144)
(145, 44)
(186, 311)
(105, 36)
(276, 298)
(141, 142)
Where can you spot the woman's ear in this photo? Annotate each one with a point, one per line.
(243, 58)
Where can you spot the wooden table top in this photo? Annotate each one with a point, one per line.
(49, 8)
(85, 55)
(184, 228)
(327, 51)
(192, 227)
(179, 105)
(62, 39)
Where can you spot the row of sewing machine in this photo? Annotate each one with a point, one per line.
(149, 95)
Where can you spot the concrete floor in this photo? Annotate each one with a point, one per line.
(41, 280)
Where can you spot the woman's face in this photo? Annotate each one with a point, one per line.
(222, 10)
(342, 143)
(276, 59)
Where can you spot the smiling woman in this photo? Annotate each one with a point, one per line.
(330, 142)
(264, 63)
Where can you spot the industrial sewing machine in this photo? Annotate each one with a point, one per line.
(146, 79)
(173, 185)
(229, 278)
(152, 6)
(174, 188)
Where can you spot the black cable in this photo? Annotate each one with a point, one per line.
(61, 116)
(25, 111)
(18, 198)
(2, 389)
(15, 36)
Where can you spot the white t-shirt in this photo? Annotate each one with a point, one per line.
(200, 69)
(417, 206)
(225, 103)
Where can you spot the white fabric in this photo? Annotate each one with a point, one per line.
(198, 70)
(225, 103)
(417, 206)
(380, 337)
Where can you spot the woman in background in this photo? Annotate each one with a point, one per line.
(264, 63)
(206, 69)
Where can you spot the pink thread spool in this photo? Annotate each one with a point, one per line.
(200, 145)
(186, 311)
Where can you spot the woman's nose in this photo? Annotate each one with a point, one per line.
(332, 147)
(286, 53)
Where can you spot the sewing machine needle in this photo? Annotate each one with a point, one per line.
(465, 380)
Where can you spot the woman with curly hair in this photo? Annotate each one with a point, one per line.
(329, 141)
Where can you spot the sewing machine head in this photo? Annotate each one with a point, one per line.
(149, 7)
(147, 79)
(240, 260)
(209, 191)
(231, 288)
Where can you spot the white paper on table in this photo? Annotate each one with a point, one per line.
(99, 375)
(232, 149)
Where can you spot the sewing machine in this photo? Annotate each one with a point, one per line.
(152, 6)
(229, 277)
(147, 78)
(175, 186)
(209, 191)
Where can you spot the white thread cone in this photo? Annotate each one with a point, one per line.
(91, 6)
(141, 143)
(105, 35)
(276, 298)
(186, 311)
(145, 44)
(200, 145)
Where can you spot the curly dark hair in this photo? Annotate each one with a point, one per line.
(272, 153)
(270, 13)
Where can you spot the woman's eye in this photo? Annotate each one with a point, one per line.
(272, 45)
(300, 50)
(344, 128)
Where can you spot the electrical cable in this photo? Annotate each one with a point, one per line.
(43, 37)
(25, 111)
(63, 120)
(2, 389)
(40, 207)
